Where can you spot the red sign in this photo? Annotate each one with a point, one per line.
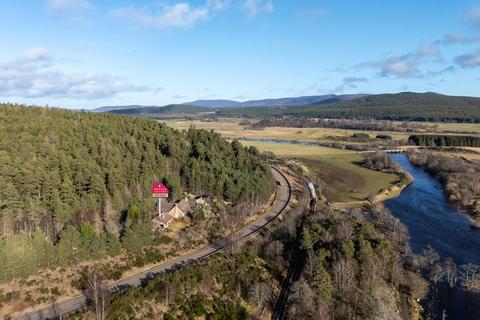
(159, 190)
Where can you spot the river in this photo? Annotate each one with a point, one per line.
(431, 219)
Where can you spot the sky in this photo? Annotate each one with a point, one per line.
(91, 53)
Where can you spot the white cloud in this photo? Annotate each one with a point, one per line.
(469, 60)
(157, 90)
(429, 49)
(37, 54)
(32, 75)
(455, 38)
(61, 5)
(404, 66)
(217, 4)
(179, 97)
(408, 65)
(255, 7)
(350, 83)
(180, 15)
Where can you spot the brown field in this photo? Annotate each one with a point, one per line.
(230, 128)
(473, 128)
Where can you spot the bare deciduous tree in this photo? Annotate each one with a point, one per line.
(274, 251)
(470, 277)
(301, 300)
(431, 256)
(344, 230)
(436, 273)
(260, 294)
(96, 291)
(343, 275)
(450, 272)
(371, 274)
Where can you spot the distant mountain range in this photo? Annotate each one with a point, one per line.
(291, 101)
(219, 103)
(409, 106)
(111, 108)
(429, 106)
(171, 109)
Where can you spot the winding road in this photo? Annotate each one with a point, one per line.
(282, 199)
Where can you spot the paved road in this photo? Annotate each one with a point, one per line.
(67, 306)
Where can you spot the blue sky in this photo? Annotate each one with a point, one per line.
(86, 53)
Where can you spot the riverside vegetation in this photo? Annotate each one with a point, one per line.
(461, 178)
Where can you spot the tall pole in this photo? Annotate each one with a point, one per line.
(159, 206)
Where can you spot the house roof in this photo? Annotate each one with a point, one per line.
(184, 205)
(192, 203)
(176, 211)
(166, 206)
(164, 219)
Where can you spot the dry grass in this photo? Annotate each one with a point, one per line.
(456, 127)
(177, 225)
(295, 150)
(230, 128)
(346, 179)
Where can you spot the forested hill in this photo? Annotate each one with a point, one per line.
(59, 166)
(400, 106)
(172, 109)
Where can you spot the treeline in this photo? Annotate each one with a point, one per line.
(394, 107)
(435, 140)
(25, 254)
(352, 124)
(460, 178)
(380, 161)
(62, 171)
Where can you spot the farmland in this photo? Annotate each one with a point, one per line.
(231, 128)
(340, 170)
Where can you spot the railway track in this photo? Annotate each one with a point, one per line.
(298, 259)
(63, 307)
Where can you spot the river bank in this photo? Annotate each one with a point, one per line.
(460, 179)
(392, 192)
(432, 220)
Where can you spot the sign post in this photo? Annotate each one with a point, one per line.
(159, 191)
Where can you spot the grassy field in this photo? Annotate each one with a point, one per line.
(296, 150)
(456, 127)
(230, 128)
(346, 180)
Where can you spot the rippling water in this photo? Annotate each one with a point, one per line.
(432, 220)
